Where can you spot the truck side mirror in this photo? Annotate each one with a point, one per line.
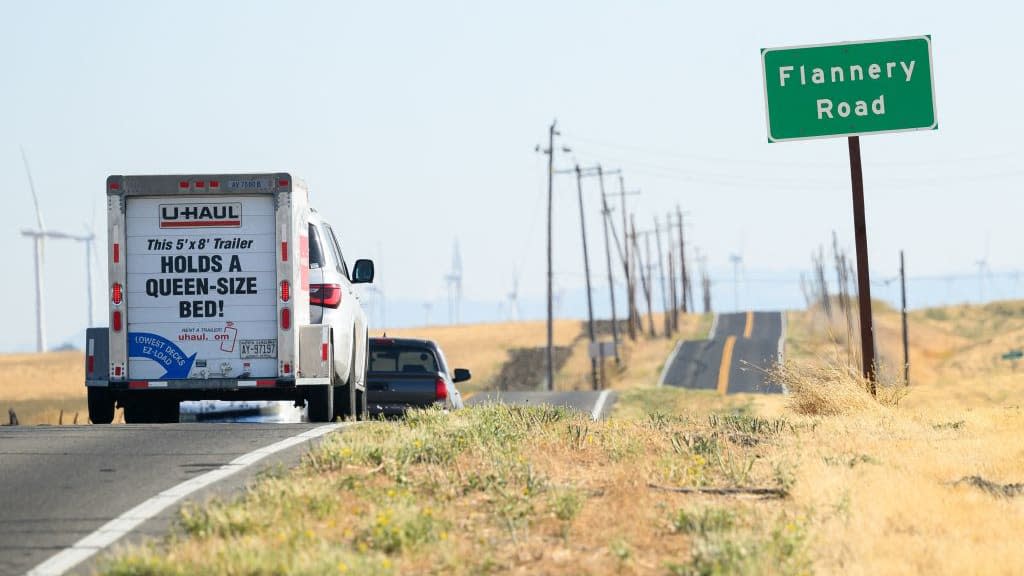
(461, 375)
(362, 273)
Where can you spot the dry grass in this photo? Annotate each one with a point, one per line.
(39, 386)
(504, 490)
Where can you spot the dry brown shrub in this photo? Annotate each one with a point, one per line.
(832, 388)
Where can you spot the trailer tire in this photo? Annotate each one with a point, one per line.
(345, 402)
(320, 403)
(101, 406)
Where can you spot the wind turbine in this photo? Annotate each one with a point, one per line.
(513, 298)
(39, 236)
(454, 281)
(737, 261)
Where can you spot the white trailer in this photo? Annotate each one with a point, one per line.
(209, 298)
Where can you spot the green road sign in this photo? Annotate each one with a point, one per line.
(849, 89)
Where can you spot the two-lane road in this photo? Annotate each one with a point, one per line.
(67, 492)
(734, 358)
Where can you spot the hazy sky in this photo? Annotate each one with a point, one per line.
(415, 124)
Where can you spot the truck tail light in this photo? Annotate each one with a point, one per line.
(286, 318)
(285, 291)
(115, 321)
(440, 389)
(116, 294)
(326, 295)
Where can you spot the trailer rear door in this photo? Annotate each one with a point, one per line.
(201, 286)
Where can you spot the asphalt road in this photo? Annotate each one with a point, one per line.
(734, 358)
(597, 404)
(59, 484)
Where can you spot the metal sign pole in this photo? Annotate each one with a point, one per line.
(867, 335)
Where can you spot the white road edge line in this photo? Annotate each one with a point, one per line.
(714, 328)
(668, 363)
(599, 405)
(118, 527)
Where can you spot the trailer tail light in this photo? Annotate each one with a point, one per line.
(286, 318)
(285, 291)
(183, 184)
(200, 184)
(116, 295)
(115, 321)
(440, 389)
(283, 182)
(115, 186)
(214, 183)
(326, 295)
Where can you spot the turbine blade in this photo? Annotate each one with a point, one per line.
(32, 187)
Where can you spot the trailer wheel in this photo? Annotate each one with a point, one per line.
(345, 402)
(320, 403)
(101, 406)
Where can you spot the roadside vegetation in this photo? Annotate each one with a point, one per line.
(502, 489)
(925, 479)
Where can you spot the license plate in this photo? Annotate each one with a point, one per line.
(263, 348)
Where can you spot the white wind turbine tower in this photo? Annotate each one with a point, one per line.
(513, 298)
(39, 236)
(454, 281)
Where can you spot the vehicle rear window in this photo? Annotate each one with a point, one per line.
(316, 255)
(405, 359)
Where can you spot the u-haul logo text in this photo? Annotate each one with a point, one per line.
(228, 215)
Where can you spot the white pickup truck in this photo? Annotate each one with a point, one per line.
(226, 287)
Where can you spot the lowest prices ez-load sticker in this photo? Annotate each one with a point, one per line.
(201, 287)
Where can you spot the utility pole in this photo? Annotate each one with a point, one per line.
(661, 273)
(586, 269)
(630, 280)
(673, 300)
(687, 295)
(645, 277)
(549, 352)
(606, 215)
(903, 313)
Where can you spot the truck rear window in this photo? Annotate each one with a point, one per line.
(405, 359)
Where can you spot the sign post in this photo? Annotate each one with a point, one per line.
(849, 89)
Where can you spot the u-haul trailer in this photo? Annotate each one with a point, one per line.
(209, 298)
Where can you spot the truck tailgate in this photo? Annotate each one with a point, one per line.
(391, 388)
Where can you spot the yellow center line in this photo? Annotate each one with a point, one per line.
(748, 330)
(723, 370)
